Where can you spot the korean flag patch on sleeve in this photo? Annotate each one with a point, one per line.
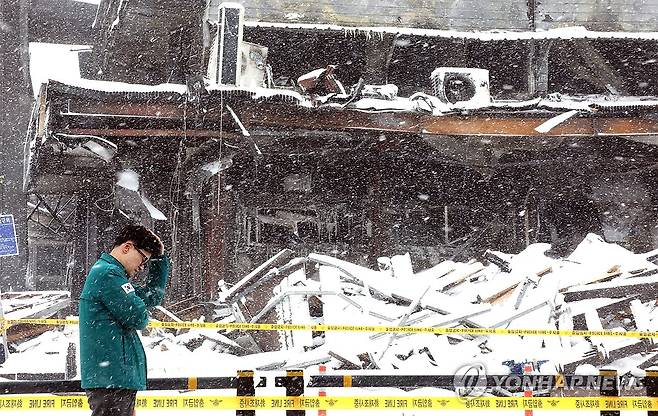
(128, 288)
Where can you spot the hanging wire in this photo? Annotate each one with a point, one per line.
(221, 144)
(174, 187)
(105, 198)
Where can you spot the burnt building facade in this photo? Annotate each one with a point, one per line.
(232, 174)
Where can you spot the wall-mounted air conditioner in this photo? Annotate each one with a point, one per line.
(232, 61)
(224, 62)
(465, 88)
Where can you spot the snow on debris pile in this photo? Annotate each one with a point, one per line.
(47, 355)
(33, 304)
(599, 286)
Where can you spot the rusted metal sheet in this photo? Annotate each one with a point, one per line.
(499, 125)
(484, 124)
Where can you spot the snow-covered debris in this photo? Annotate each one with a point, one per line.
(572, 32)
(386, 92)
(526, 292)
(600, 286)
(33, 304)
(590, 289)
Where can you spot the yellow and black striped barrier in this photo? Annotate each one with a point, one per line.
(183, 402)
(11, 387)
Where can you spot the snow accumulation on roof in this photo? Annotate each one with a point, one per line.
(418, 102)
(110, 86)
(574, 32)
(262, 92)
(425, 103)
(379, 99)
(583, 103)
(122, 87)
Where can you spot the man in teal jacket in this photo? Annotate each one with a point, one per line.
(112, 358)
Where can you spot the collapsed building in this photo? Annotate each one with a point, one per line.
(237, 139)
(532, 302)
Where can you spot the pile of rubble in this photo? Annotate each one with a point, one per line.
(599, 286)
(31, 305)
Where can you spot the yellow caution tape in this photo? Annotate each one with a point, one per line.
(340, 403)
(360, 328)
(9, 322)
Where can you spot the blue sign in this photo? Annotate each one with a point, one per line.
(8, 242)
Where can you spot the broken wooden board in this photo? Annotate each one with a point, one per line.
(459, 275)
(489, 291)
(643, 287)
(251, 281)
(436, 271)
(31, 305)
(609, 274)
(34, 305)
(346, 364)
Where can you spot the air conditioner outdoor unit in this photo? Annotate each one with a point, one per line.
(253, 62)
(233, 61)
(462, 88)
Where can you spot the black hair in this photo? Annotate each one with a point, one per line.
(141, 236)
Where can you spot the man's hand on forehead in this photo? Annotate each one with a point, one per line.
(159, 242)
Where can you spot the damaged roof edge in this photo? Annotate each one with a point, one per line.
(178, 92)
(175, 92)
(486, 121)
(574, 32)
